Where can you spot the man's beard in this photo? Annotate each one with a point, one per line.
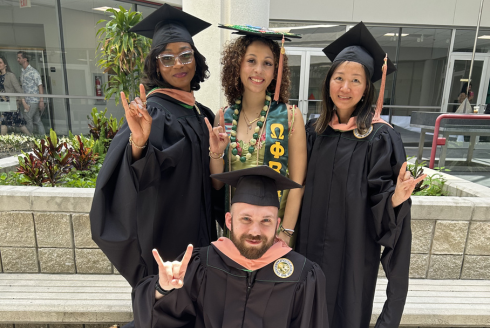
(250, 252)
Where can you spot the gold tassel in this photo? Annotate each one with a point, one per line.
(279, 71)
(379, 103)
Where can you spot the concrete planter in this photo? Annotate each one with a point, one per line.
(47, 230)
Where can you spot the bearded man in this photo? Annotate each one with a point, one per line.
(251, 280)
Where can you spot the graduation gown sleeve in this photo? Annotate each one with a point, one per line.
(310, 306)
(391, 225)
(115, 204)
(177, 309)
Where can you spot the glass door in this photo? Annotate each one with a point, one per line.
(296, 66)
(457, 81)
(308, 66)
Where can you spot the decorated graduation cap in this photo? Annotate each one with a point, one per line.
(257, 185)
(168, 24)
(359, 45)
(266, 33)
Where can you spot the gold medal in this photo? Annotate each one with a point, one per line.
(283, 268)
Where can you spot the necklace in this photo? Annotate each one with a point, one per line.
(235, 147)
(249, 124)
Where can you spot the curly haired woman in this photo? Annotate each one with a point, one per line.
(260, 128)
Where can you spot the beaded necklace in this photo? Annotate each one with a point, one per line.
(235, 147)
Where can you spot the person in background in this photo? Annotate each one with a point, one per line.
(466, 93)
(9, 84)
(31, 83)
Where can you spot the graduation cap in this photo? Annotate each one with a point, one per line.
(168, 24)
(257, 185)
(266, 33)
(359, 45)
(260, 31)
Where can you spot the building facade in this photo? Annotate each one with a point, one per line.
(430, 42)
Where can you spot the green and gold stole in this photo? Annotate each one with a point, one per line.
(276, 141)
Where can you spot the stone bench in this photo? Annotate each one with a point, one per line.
(106, 299)
(64, 299)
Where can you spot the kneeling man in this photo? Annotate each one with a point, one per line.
(251, 280)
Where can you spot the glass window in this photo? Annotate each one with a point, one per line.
(387, 38)
(312, 36)
(422, 63)
(319, 66)
(465, 40)
(35, 31)
(84, 77)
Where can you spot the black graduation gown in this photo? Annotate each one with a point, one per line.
(347, 216)
(218, 293)
(161, 201)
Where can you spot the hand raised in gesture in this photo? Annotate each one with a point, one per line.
(171, 274)
(405, 185)
(218, 138)
(139, 121)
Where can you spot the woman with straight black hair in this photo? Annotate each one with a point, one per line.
(154, 189)
(357, 189)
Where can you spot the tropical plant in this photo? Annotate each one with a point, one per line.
(122, 53)
(102, 129)
(432, 185)
(30, 167)
(83, 158)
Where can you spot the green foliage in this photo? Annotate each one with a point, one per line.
(72, 161)
(54, 157)
(102, 130)
(84, 179)
(12, 179)
(432, 185)
(122, 53)
(15, 142)
(30, 167)
(83, 158)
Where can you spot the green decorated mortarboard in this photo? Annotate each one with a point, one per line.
(259, 31)
(257, 185)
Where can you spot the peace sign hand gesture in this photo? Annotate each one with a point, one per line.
(139, 121)
(218, 138)
(405, 185)
(171, 274)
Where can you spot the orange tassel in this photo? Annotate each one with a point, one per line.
(279, 71)
(379, 103)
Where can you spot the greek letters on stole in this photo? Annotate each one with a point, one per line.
(276, 140)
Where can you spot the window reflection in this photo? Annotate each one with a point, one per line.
(35, 31)
(422, 63)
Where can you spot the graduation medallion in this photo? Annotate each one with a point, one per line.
(283, 268)
(359, 135)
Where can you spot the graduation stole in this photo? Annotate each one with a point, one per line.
(276, 140)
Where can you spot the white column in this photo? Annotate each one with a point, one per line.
(210, 42)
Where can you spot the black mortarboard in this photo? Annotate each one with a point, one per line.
(358, 45)
(257, 185)
(260, 31)
(168, 24)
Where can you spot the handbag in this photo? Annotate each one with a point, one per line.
(9, 106)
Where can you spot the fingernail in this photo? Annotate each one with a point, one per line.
(140, 115)
(141, 107)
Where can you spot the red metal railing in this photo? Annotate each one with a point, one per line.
(436, 141)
